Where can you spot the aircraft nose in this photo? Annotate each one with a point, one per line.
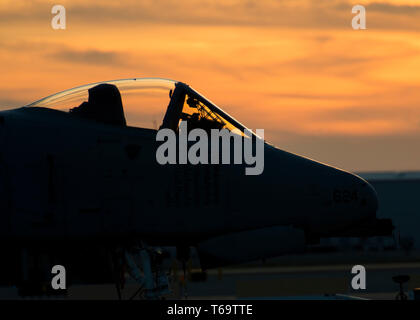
(372, 226)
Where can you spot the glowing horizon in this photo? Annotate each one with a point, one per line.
(293, 68)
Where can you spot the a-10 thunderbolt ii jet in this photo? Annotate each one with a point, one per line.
(81, 187)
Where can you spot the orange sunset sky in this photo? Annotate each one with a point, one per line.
(294, 68)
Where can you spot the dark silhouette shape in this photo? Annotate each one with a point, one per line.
(104, 105)
(401, 279)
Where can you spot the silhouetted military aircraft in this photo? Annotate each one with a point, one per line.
(80, 186)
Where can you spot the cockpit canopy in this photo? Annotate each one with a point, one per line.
(150, 103)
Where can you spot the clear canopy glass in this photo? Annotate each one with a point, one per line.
(144, 99)
(145, 103)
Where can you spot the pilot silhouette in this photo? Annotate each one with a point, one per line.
(104, 105)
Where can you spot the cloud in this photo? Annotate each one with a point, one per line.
(394, 9)
(95, 57)
(287, 13)
(365, 113)
(312, 96)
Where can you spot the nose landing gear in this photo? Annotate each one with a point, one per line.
(144, 265)
(401, 279)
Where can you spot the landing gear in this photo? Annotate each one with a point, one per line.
(401, 279)
(144, 265)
